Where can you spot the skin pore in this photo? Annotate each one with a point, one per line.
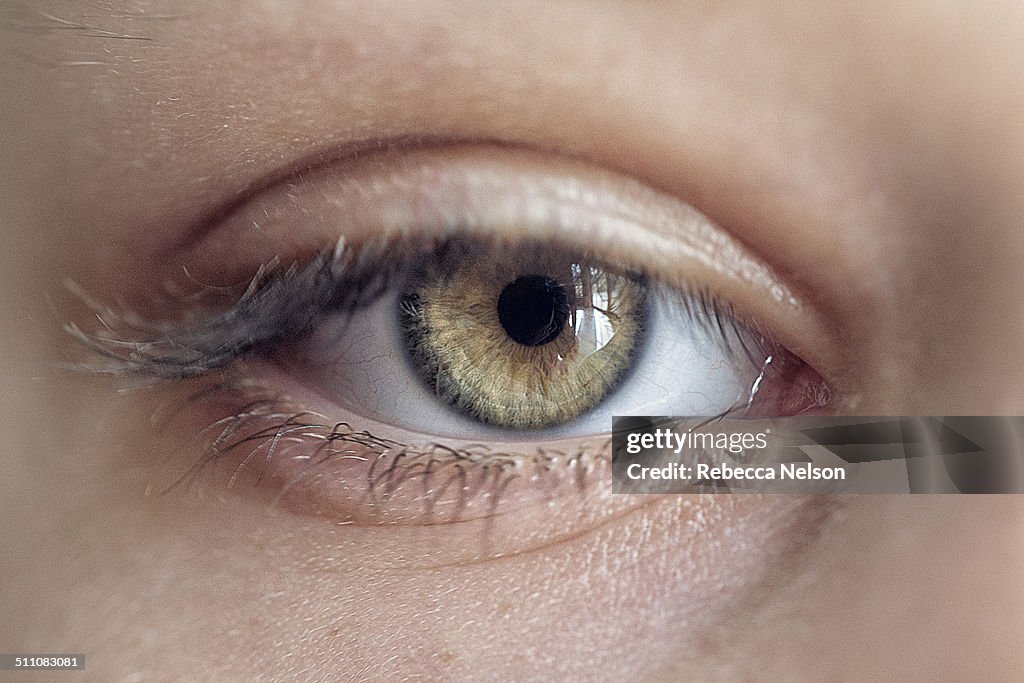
(867, 155)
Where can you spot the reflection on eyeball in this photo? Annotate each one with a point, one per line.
(522, 338)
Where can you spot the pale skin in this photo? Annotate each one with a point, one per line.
(869, 153)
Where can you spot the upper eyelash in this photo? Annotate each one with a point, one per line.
(278, 305)
(283, 304)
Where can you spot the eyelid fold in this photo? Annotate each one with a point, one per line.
(493, 191)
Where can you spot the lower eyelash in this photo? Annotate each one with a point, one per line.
(266, 426)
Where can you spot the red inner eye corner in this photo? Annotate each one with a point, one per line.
(789, 386)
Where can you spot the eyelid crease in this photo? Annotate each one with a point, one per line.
(303, 165)
(423, 176)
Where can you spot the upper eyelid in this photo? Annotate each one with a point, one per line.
(309, 209)
(608, 197)
(463, 172)
(281, 303)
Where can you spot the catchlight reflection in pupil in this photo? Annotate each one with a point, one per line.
(525, 340)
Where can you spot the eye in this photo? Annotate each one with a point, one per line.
(444, 335)
(481, 338)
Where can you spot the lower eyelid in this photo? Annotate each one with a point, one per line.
(545, 506)
(562, 515)
(262, 444)
(268, 449)
(736, 534)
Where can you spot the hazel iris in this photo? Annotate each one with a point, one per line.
(524, 337)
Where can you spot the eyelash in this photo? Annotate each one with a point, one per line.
(284, 304)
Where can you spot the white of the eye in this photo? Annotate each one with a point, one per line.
(359, 361)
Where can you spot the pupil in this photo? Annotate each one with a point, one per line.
(533, 309)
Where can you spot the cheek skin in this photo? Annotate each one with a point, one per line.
(893, 581)
(241, 587)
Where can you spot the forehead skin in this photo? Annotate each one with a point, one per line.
(870, 151)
